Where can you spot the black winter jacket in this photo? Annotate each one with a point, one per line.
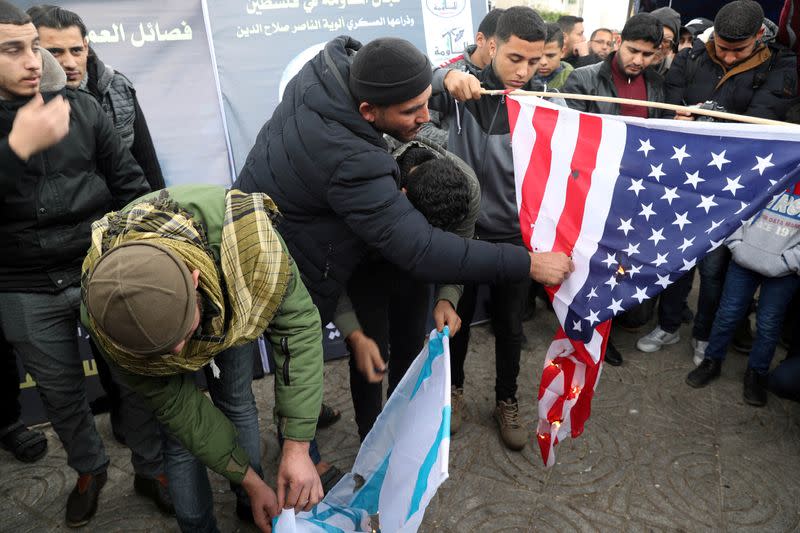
(47, 204)
(335, 183)
(597, 80)
(762, 86)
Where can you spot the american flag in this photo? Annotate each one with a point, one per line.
(636, 204)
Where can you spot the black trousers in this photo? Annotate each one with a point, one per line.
(393, 310)
(507, 303)
(10, 410)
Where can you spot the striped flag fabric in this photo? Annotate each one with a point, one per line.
(636, 203)
(402, 461)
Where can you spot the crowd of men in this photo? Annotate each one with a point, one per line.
(353, 200)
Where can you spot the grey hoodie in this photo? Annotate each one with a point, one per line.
(770, 244)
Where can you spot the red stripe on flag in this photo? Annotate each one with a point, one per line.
(583, 407)
(538, 171)
(584, 162)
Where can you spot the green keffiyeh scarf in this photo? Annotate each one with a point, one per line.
(245, 288)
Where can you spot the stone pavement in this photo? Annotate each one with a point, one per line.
(655, 456)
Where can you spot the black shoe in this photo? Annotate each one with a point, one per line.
(743, 338)
(701, 376)
(613, 357)
(154, 489)
(82, 501)
(755, 388)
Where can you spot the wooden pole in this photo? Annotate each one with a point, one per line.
(659, 105)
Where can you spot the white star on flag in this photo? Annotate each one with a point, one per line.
(680, 154)
(616, 306)
(625, 225)
(707, 202)
(612, 282)
(714, 225)
(714, 245)
(592, 318)
(636, 186)
(610, 260)
(742, 208)
(670, 194)
(592, 293)
(763, 164)
(693, 179)
(681, 220)
(686, 244)
(576, 325)
(647, 211)
(688, 265)
(663, 281)
(641, 294)
(645, 147)
(660, 259)
(733, 185)
(632, 249)
(634, 269)
(717, 160)
(655, 172)
(657, 236)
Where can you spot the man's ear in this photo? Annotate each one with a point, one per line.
(480, 39)
(367, 111)
(86, 43)
(760, 34)
(492, 47)
(196, 278)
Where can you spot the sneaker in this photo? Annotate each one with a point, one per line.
(755, 388)
(699, 348)
(456, 409)
(653, 341)
(506, 414)
(701, 376)
(82, 501)
(154, 489)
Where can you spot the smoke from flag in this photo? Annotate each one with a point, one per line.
(636, 203)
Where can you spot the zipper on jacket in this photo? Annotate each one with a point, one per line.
(287, 356)
(327, 262)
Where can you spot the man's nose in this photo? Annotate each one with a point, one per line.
(424, 116)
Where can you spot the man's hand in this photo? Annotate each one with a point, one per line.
(581, 49)
(367, 356)
(445, 315)
(38, 126)
(299, 485)
(462, 86)
(262, 500)
(550, 268)
(683, 115)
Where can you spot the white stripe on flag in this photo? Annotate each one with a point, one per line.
(522, 146)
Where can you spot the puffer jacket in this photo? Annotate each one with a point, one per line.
(598, 80)
(762, 86)
(48, 203)
(332, 177)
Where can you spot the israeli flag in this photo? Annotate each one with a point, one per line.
(402, 461)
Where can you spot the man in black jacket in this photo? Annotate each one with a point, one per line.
(61, 167)
(740, 73)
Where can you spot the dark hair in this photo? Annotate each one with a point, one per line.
(522, 22)
(598, 30)
(643, 27)
(440, 191)
(488, 26)
(554, 34)
(11, 14)
(739, 20)
(567, 22)
(56, 17)
(413, 157)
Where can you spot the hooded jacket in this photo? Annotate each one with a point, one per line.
(598, 80)
(48, 203)
(770, 243)
(117, 97)
(763, 85)
(331, 175)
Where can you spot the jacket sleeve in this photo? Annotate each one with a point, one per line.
(12, 168)
(345, 318)
(675, 83)
(123, 174)
(792, 258)
(364, 193)
(776, 94)
(143, 150)
(295, 334)
(440, 100)
(191, 417)
(576, 84)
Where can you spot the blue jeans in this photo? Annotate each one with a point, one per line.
(232, 393)
(784, 381)
(740, 286)
(712, 271)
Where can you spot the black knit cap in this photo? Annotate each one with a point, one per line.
(389, 71)
(739, 20)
